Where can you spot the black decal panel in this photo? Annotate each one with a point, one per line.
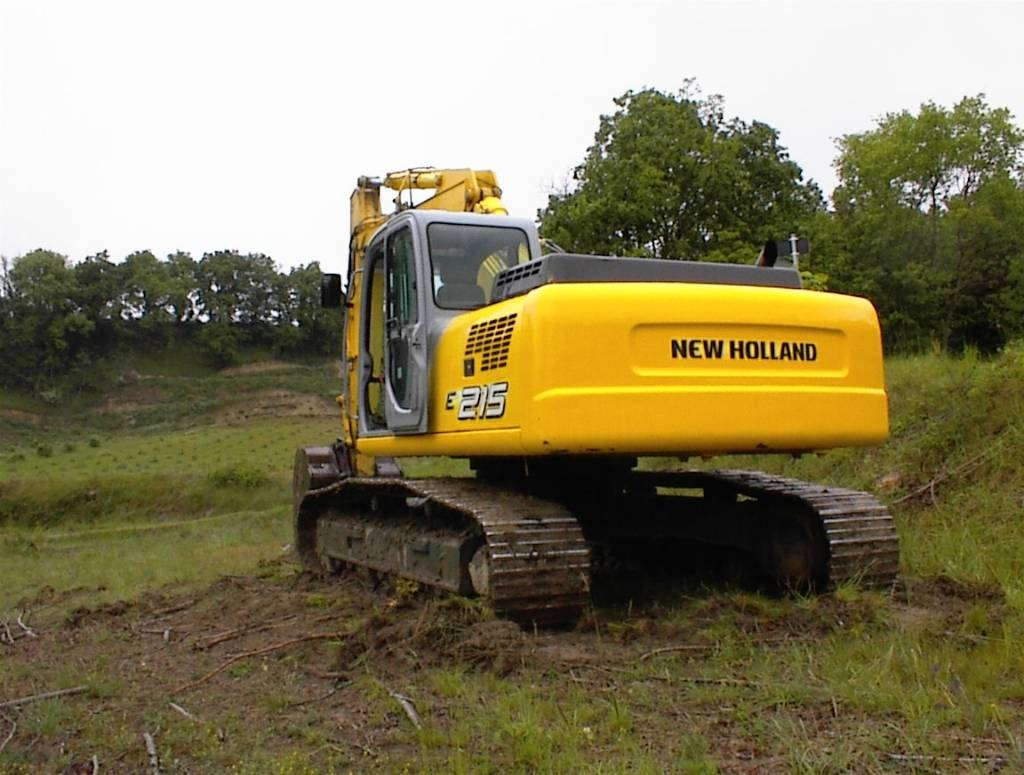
(743, 350)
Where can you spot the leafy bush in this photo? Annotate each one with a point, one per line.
(238, 475)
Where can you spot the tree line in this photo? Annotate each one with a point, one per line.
(927, 220)
(60, 322)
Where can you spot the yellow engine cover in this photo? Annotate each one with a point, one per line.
(654, 368)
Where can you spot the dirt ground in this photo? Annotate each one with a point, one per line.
(285, 661)
(272, 404)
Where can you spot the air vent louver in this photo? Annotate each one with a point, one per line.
(490, 340)
(517, 279)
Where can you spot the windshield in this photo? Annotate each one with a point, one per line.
(465, 259)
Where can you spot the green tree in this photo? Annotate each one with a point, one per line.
(307, 328)
(183, 295)
(926, 161)
(98, 296)
(45, 335)
(924, 210)
(987, 248)
(669, 177)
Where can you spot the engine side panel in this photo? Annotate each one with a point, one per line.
(654, 368)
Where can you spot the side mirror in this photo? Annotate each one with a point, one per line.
(769, 254)
(790, 249)
(330, 291)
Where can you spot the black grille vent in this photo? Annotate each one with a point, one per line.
(490, 340)
(516, 279)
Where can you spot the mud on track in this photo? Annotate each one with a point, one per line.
(286, 669)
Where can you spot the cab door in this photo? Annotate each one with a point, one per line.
(405, 348)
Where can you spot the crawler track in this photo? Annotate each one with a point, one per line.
(525, 555)
(857, 531)
(528, 557)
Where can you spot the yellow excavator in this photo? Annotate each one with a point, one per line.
(553, 373)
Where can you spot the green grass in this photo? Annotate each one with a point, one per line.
(178, 496)
(148, 556)
(837, 683)
(267, 445)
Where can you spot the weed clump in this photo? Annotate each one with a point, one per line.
(94, 442)
(238, 475)
(44, 450)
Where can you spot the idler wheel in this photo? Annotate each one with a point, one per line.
(480, 571)
(792, 554)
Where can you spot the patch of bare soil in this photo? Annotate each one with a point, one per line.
(245, 654)
(23, 418)
(131, 397)
(276, 403)
(258, 367)
(951, 609)
(285, 661)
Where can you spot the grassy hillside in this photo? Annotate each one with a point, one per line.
(951, 470)
(179, 478)
(183, 471)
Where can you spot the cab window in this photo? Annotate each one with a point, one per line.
(465, 259)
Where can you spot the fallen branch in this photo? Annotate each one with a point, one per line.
(240, 631)
(95, 765)
(176, 707)
(161, 612)
(667, 649)
(929, 487)
(43, 696)
(6, 636)
(10, 735)
(154, 762)
(409, 709)
(246, 654)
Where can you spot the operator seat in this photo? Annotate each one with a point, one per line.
(460, 295)
(459, 288)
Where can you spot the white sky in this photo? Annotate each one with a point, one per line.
(206, 125)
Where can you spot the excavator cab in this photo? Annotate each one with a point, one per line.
(422, 270)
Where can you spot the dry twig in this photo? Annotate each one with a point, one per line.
(240, 631)
(367, 750)
(255, 653)
(325, 674)
(905, 757)
(929, 487)
(43, 696)
(162, 612)
(176, 707)
(154, 762)
(409, 709)
(10, 735)
(667, 649)
(716, 681)
(28, 630)
(334, 690)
